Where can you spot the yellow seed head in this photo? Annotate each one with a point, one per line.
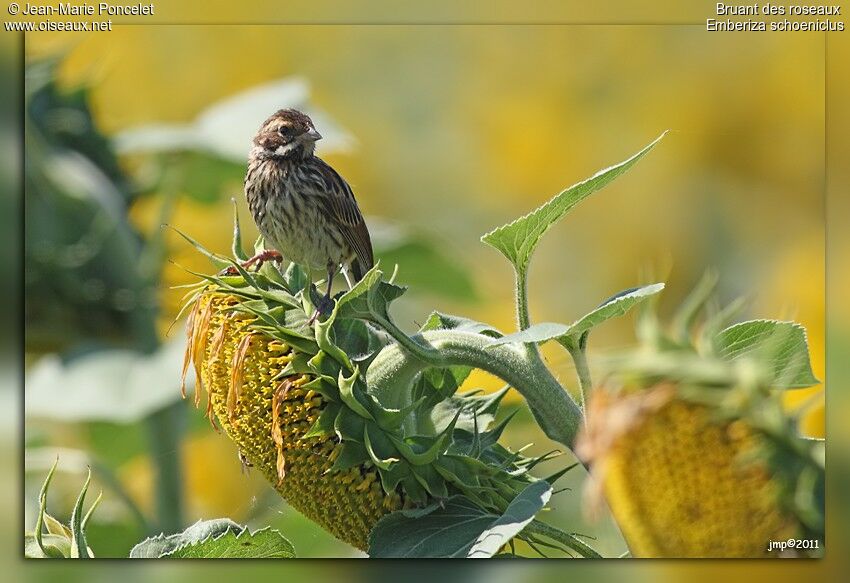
(679, 483)
(268, 416)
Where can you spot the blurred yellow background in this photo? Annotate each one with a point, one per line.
(489, 122)
(459, 129)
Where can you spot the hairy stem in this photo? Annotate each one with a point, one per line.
(396, 367)
(522, 316)
(579, 357)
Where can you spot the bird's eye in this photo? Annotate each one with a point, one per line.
(284, 131)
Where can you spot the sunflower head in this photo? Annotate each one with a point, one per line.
(293, 398)
(690, 443)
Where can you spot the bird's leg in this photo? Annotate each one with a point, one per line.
(347, 278)
(325, 303)
(258, 259)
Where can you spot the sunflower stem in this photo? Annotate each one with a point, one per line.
(579, 356)
(396, 367)
(165, 428)
(523, 317)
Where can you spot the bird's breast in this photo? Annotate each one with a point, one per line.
(291, 217)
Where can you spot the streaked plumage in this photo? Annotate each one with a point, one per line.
(302, 206)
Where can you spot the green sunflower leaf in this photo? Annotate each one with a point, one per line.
(518, 240)
(440, 321)
(616, 305)
(613, 307)
(455, 527)
(519, 513)
(261, 544)
(220, 538)
(535, 334)
(780, 346)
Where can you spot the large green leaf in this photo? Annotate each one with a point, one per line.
(615, 306)
(218, 538)
(441, 321)
(517, 240)
(455, 527)
(519, 513)
(161, 544)
(262, 544)
(536, 334)
(443, 530)
(781, 346)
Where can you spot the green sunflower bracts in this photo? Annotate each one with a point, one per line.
(295, 400)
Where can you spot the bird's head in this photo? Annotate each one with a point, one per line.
(287, 133)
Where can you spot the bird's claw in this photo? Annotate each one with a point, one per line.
(259, 259)
(324, 306)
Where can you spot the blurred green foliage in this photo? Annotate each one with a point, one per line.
(84, 282)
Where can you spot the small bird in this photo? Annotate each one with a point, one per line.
(304, 209)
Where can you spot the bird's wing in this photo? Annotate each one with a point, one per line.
(342, 207)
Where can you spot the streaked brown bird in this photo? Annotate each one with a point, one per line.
(304, 209)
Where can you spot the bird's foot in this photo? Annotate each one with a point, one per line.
(324, 305)
(258, 260)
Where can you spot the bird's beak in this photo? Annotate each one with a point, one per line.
(313, 135)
